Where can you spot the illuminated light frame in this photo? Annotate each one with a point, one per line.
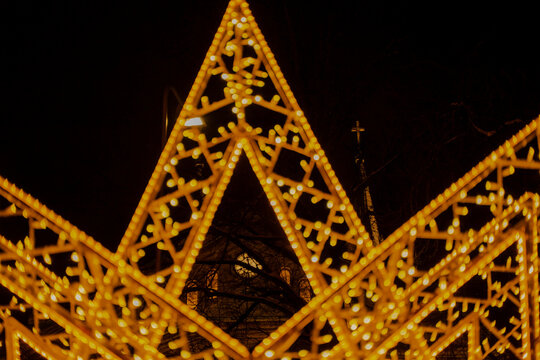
(189, 110)
(466, 182)
(16, 332)
(469, 326)
(244, 137)
(91, 248)
(439, 201)
(60, 317)
(329, 302)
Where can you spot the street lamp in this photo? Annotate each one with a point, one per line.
(196, 121)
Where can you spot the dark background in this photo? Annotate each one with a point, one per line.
(436, 85)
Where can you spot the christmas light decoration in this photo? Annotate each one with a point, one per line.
(465, 266)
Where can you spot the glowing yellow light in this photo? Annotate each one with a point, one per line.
(371, 270)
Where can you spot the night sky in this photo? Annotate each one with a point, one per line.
(436, 86)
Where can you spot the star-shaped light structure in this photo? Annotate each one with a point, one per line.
(465, 266)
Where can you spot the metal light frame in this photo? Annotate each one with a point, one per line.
(378, 301)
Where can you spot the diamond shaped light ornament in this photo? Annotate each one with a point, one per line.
(241, 105)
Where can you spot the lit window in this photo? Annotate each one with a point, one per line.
(305, 290)
(193, 299)
(285, 274)
(244, 271)
(212, 280)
